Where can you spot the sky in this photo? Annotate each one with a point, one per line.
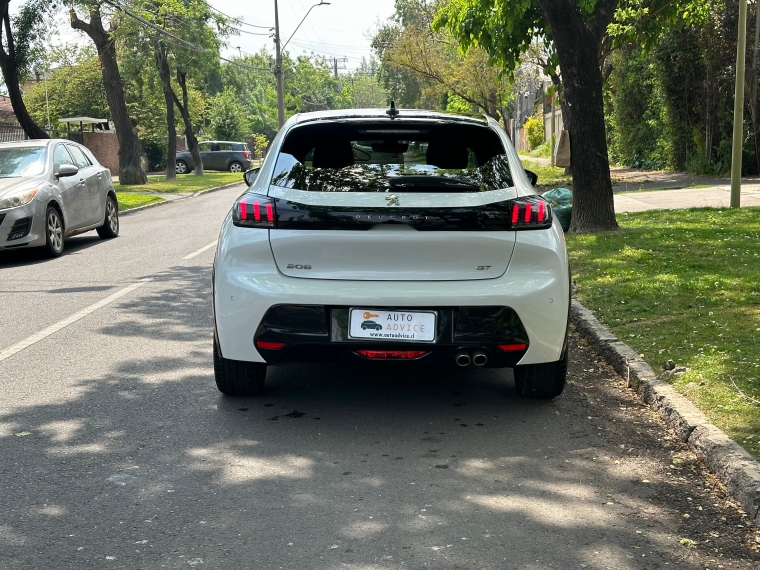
(340, 29)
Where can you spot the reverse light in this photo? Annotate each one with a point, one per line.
(392, 354)
(18, 198)
(254, 211)
(516, 347)
(530, 213)
(269, 344)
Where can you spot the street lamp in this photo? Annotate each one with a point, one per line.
(278, 57)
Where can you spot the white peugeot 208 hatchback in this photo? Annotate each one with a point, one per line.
(391, 235)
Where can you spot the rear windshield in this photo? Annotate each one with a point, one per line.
(378, 157)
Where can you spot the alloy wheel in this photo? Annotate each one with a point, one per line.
(55, 230)
(180, 167)
(113, 216)
(236, 167)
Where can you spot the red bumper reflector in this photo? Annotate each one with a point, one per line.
(392, 354)
(269, 345)
(513, 347)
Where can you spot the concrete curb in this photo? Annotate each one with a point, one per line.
(731, 463)
(193, 195)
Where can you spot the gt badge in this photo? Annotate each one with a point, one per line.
(392, 200)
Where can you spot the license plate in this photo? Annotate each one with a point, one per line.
(405, 326)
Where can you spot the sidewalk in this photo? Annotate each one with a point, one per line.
(639, 190)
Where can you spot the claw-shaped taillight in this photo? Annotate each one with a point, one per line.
(530, 213)
(254, 211)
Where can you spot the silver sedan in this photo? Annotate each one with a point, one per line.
(51, 190)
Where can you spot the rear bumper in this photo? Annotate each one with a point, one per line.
(247, 284)
(317, 333)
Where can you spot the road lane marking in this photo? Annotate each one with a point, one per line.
(52, 329)
(201, 250)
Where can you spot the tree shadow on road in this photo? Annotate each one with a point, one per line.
(137, 462)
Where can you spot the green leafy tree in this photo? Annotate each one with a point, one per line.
(506, 29)
(74, 86)
(20, 39)
(130, 151)
(226, 117)
(180, 37)
(254, 83)
(311, 86)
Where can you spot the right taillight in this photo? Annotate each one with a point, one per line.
(529, 213)
(254, 211)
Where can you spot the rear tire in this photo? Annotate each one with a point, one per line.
(237, 377)
(236, 167)
(110, 227)
(545, 380)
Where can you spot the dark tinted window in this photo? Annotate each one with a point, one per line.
(239, 146)
(224, 146)
(377, 157)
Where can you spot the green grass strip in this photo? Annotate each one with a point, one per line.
(129, 200)
(685, 285)
(548, 175)
(184, 183)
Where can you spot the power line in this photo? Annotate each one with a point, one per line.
(187, 44)
(244, 23)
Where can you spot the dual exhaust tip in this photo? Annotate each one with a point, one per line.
(465, 358)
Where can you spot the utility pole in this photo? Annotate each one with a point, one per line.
(736, 151)
(278, 57)
(278, 69)
(245, 79)
(335, 64)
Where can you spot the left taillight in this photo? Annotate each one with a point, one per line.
(254, 211)
(247, 154)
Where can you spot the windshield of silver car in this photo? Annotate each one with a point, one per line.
(378, 157)
(19, 161)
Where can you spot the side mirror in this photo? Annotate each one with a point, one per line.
(532, 176)
(251, 175)
(66, 170)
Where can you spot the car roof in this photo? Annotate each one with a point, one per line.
(35, 142)
(403, 114)
(231, 142)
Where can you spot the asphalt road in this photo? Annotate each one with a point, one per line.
(116, 450)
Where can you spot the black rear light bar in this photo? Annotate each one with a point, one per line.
(524, 213)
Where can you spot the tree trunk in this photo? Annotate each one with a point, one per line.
(577, 44)
(162, 63)
(184, 110)
(130, 150)
(10, 74)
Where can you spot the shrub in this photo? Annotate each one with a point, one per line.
(534, 130)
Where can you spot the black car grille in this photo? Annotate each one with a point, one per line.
(20, 228)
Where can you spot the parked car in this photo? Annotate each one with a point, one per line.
(217, 155)
(450, 252)
(51, 190)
